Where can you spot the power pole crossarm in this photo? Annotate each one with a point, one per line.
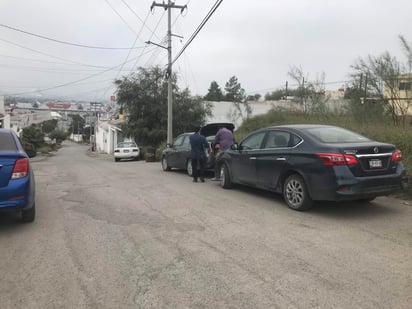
(168, 5)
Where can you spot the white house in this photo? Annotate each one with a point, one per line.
(108, 135)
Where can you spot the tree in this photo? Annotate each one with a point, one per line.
(236, 94)
(408, 52)
(143, 97)
(254, 97)
(234, 90)
(58, 135)
(310, 94)
(32, 137)
(275, 95)
(49, 125)
(214, 93)
(380, 77)
(363, 111)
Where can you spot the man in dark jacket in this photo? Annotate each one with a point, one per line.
(199, 146)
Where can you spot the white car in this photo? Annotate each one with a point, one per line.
(126, 150)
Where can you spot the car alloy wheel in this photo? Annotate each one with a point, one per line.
(225, 181)
(165, 165)
(295, 193)
(189, 168)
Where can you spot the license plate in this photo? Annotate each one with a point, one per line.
(125, 150)
(375, 163)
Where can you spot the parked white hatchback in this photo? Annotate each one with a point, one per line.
(126, 150)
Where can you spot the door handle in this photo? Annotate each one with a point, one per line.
(252, 158)
(281, 159)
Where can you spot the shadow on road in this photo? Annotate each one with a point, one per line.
(348, 209)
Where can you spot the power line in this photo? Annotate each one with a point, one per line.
(48, 55)
(76, 81)
(143, 22)
(120, 16)
(65, 42)
(151, 36)
(212, 10)
(128, 54)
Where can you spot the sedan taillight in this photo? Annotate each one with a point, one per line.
(335, 159)
(397, 156)
(20, 169)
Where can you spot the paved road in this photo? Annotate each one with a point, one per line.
(128, 235)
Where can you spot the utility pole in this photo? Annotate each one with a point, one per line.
(286, 91)
(170, 5)
(303, 99)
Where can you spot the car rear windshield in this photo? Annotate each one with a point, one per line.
(336, 135)
(126, 145)
(7, 142)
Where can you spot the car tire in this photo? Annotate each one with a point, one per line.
(225, 181)
(296, 194)
(165, 165)
(116, 159)
(189, 168)
(28, 215)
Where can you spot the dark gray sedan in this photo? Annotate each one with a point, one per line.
(177, 155)
(307, 163)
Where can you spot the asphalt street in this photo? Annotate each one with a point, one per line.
(129, 235)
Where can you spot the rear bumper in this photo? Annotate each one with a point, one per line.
(355, 188)
(18, 195)
(126, 155)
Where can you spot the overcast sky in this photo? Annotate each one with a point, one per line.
(256, 41)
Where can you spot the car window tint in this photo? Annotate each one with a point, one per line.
(336, 135)
(294, 140)
(186, 141)
(179, 140)
(277, 139)
(253, 142)
(7, 142)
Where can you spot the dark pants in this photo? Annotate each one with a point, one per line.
(198, 167)
(217, 163)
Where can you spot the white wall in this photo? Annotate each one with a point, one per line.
(222, 110)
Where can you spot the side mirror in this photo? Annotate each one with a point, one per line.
(168, 145)
(234, 146)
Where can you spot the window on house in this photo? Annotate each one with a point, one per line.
(405, 86)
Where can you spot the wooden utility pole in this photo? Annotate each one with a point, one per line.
(170, 5)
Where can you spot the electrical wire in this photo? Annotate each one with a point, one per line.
(49, 55)
(120, 16)
(128, 55)
(44, 61)
(143, 22)
(151, 36)
(212, 10)
(65, 42)
(77, 81)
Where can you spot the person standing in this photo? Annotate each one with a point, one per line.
(223, 140)
(199, 147)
